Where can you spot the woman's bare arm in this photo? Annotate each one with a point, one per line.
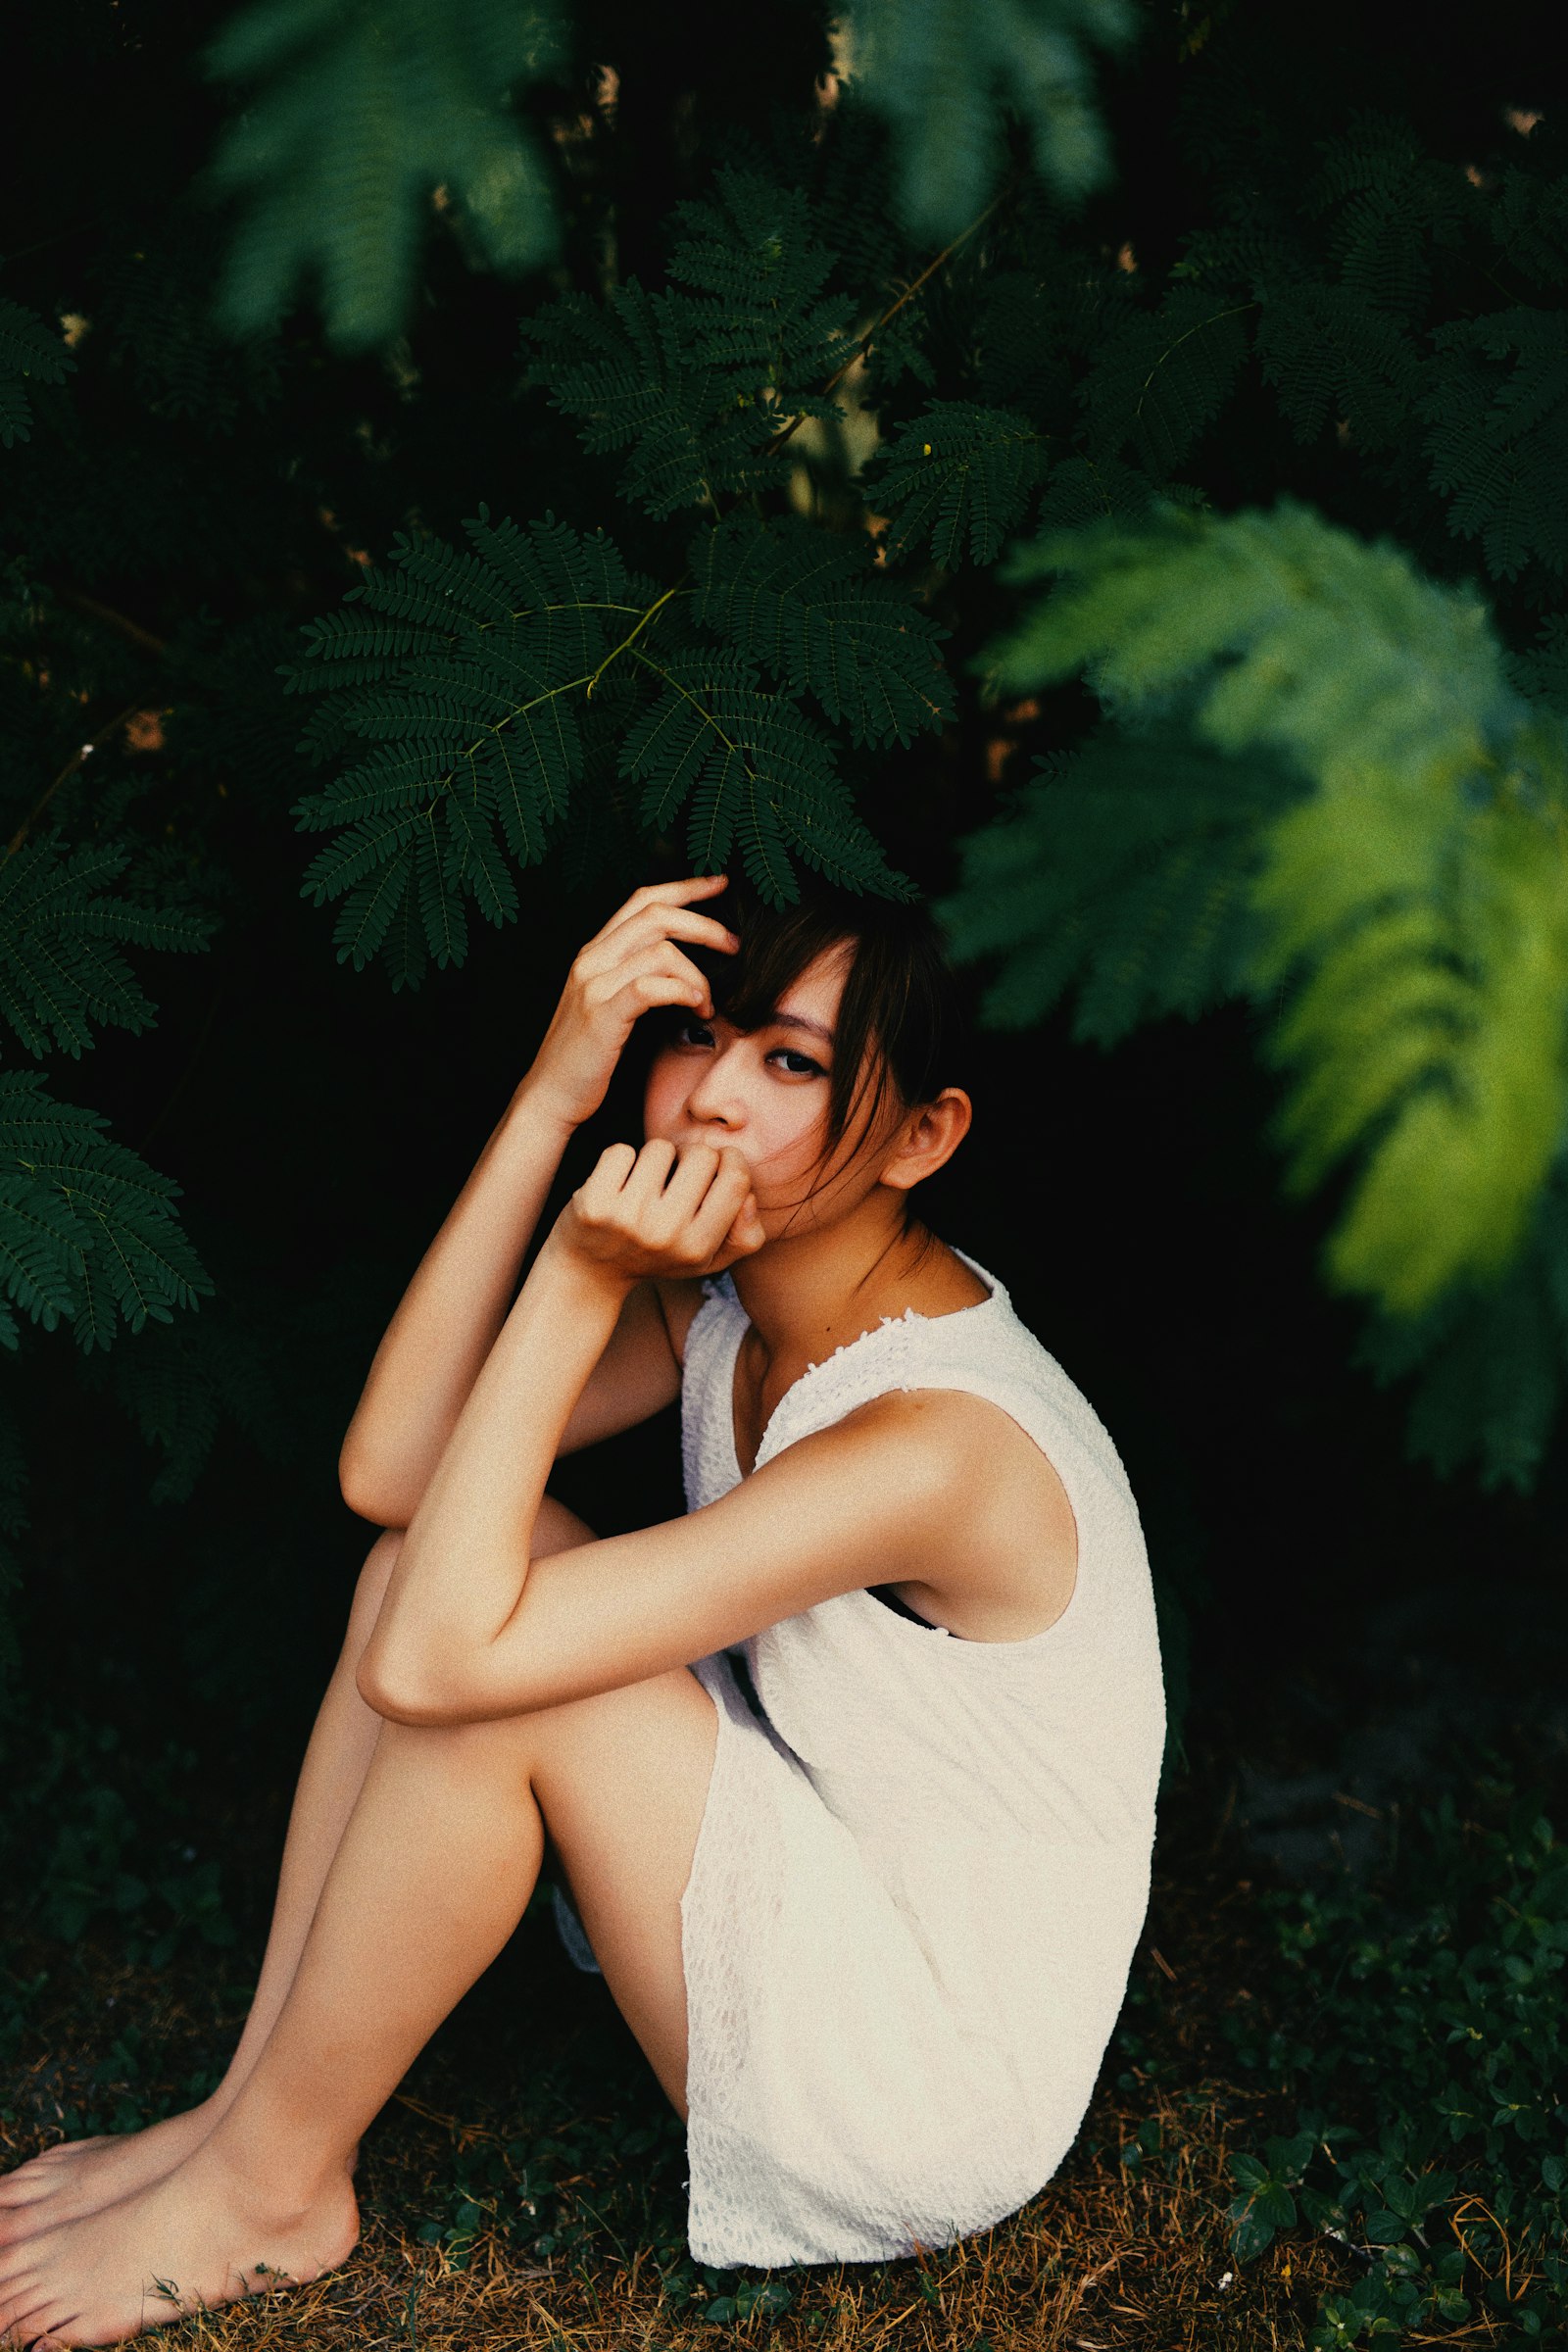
(447, 1320)
(467, 1629)
(473, 1628)
(451, 1313)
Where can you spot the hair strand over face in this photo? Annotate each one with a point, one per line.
(899, 1026)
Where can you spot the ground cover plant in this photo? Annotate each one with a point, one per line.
(1332, 2115)
(1099, 467)
(1421, 2027)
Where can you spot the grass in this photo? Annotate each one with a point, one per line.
(525, 2188)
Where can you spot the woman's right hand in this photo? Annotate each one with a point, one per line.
(625, 970)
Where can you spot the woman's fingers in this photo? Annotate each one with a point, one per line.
(671, 981)
(628, 947)
(664, 894)
(625, 971)
(748, 1232)
(687, 1200)
(677, 922)
(646, 1180)
(705, 1195)
(663, 1211)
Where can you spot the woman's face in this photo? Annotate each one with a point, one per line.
(763, 1091)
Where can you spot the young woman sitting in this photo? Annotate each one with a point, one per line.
(851, 1770)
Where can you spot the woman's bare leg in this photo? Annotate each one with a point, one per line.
(431, 1873)
(78, 2177)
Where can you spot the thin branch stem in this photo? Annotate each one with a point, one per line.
(91, 610)
(1237, 311)
(868, 339)
(654, 608)
(700, 707)
(589, 679)
(82, 751)
(191, 1060)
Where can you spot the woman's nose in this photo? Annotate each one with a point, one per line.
(715, 1100)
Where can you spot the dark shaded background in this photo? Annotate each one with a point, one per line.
(1351, 1622)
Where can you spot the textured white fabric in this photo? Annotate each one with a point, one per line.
(923, 1868)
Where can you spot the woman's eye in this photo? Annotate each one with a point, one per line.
(798, 1066)
(693, 1033)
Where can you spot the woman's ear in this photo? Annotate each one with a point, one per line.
(927, 1139)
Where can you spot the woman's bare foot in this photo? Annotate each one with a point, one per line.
(80, 2175)
(206, 2235)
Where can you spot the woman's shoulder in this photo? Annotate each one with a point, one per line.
(947, 1282)
(969, 1340)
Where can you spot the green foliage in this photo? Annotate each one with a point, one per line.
(1126, 875)
(1420, 2029)
(1351, 342)
(88, 1232)
(1490, 1361)
(493, 683)
(91, 1856)
(1416, 897)
(1497, 407)
(13, 1523)
(1430, 1012)
(942, 72)
(958, 477)
(30, 351)
(188, 1378)
(62, 926)
(810, 609)
(1162, 376)
(699, 382)
(499, 684)
(359, 113)
(155, 312)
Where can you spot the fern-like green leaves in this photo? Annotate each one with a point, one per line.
(62, 929)
(88, 1232)
(359, 111)
(30, 351)
(940, 71)
(957, 478)
(1124, 874)
(1429, 921)
(814, 611)
(1415, 899)
(1165, 375)
(1488, 1365)
(490, 682)
(1497, 409)
(1258, 612)
(698, 383)
(185, 1379)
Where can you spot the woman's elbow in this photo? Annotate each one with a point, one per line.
(427, 1695)
(369, 1494)
(399, 1693)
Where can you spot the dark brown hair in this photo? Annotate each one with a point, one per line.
(899, 1026)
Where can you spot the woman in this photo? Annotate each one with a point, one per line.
(867, 1891)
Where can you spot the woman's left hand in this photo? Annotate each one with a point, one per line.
(662, 1213)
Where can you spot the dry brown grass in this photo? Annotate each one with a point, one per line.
(1105, 2260)
(1094, 2263)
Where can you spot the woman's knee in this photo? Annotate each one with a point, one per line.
(554, 1529)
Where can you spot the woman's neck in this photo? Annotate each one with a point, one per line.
(810, 1292)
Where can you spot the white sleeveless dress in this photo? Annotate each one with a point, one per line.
(923, 1867)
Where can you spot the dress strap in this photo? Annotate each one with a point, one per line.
(707, 1394)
